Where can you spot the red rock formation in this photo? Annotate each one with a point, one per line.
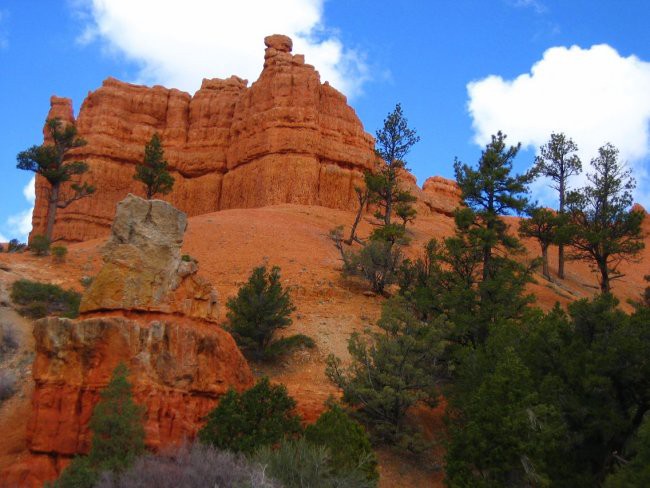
(179, 369)
(285, 139)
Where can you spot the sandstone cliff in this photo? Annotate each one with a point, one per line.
(149, 309)
(287, 138)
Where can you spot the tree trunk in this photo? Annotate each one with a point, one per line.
(363, 198)
(51, 210)
(560, 248)
(545, 270)
(604, 277)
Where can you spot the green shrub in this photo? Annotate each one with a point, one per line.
(59, 253)
(118, 435)
(36, 300)
(347, 442)
(260, 416)
(261, 307)
(300, 464)
(39, 245)
(15, 246)
(188, 259)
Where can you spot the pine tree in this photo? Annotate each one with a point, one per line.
(557, 160)
(118, 434)
(153, 172)
(547, 227)
(606, 231)
(261, 307)
(490, 191)
(391, 370)
(48, 161)
(244, 422)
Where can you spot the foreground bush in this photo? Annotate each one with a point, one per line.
(194, 466)
(260, 416)
(38, 300)
(347, 442)
(40, 245)
(300, 464)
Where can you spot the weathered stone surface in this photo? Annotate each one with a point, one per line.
(143, 269)
(178, 368)
(285, 139)
(440, 195)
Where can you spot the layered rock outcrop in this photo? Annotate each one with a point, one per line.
(149, 309)
(288, 138)
(143, 269)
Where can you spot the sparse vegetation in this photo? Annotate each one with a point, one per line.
(300, 464)
(59, 253)
(37, 300)
(191, 466)
(244, 422)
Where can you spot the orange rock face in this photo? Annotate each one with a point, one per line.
(285, 139)
(179, 369)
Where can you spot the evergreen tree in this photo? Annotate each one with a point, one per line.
(48, 161)
(547, 227)
(347, 441)
(118, 435)
(557, 160)
(261, 307)
(490, 191)
(244, 422)
(606, 232)
(394, 141)
(153, 172)
(391, 370)
(380, 256)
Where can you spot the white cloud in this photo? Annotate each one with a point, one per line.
(593, 95)
(536, 5)
(177, 44)
(19, 225)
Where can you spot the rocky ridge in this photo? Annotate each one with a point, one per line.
(149, 309)
(287, 138)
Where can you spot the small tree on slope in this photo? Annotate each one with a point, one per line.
(153, 172)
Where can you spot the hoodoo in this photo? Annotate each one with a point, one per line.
(287, 138)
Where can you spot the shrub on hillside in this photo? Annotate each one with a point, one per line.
(347, 442)
(15, 246)
(243, 422)
(193, 466)
(40, 245)
(59, 253)
(301, 464)
(261, 307)
(36, 300)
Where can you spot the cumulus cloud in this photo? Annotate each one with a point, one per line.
(593, 95)
(19, 225)
(177, 44)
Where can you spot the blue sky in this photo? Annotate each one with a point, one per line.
(462, 69)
